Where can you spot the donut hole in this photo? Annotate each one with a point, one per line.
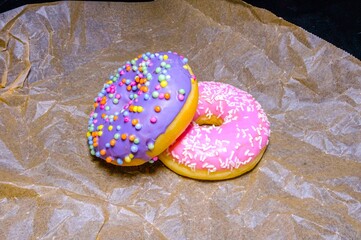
(210, 120)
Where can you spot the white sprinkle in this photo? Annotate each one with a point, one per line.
(246, 152)
(250, 138)
(244, 132)
(260, 142)
(176, 156)
(238, 163)
(202, 157)
(231, 156)
(221, 108)
(241, 105)
(206, 147)
(259, 131)
(226, 120)
(192, 166)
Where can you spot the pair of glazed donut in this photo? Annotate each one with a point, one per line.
(153, 107)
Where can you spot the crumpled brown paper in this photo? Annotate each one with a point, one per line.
(54, 59)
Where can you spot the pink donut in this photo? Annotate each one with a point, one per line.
(227, 137)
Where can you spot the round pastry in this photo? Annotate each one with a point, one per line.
(142, 109)
(227, 137)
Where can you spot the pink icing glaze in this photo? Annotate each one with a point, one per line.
(241, 137)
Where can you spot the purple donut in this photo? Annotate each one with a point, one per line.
(137, 105)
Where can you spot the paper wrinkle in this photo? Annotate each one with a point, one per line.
(54, 58)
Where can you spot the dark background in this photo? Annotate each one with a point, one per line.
(336, 21)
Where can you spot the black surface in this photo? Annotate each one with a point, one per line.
(336, 21)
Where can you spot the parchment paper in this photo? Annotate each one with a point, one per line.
(54, 59)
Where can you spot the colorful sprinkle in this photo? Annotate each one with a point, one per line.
(103, 152)
(157, 109)
(127, 159)
(134, 149)
(124, 136)
(161, 77)
(155, 94)
(163, 84)
(150, 146)
(140, 109)
(131, 138)
(134, 122)
(119, 161)
(153, 119)
(138, 126)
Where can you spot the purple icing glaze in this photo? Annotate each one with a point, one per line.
(115, 115)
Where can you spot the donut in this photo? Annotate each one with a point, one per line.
(142, 108)
(227, 137)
